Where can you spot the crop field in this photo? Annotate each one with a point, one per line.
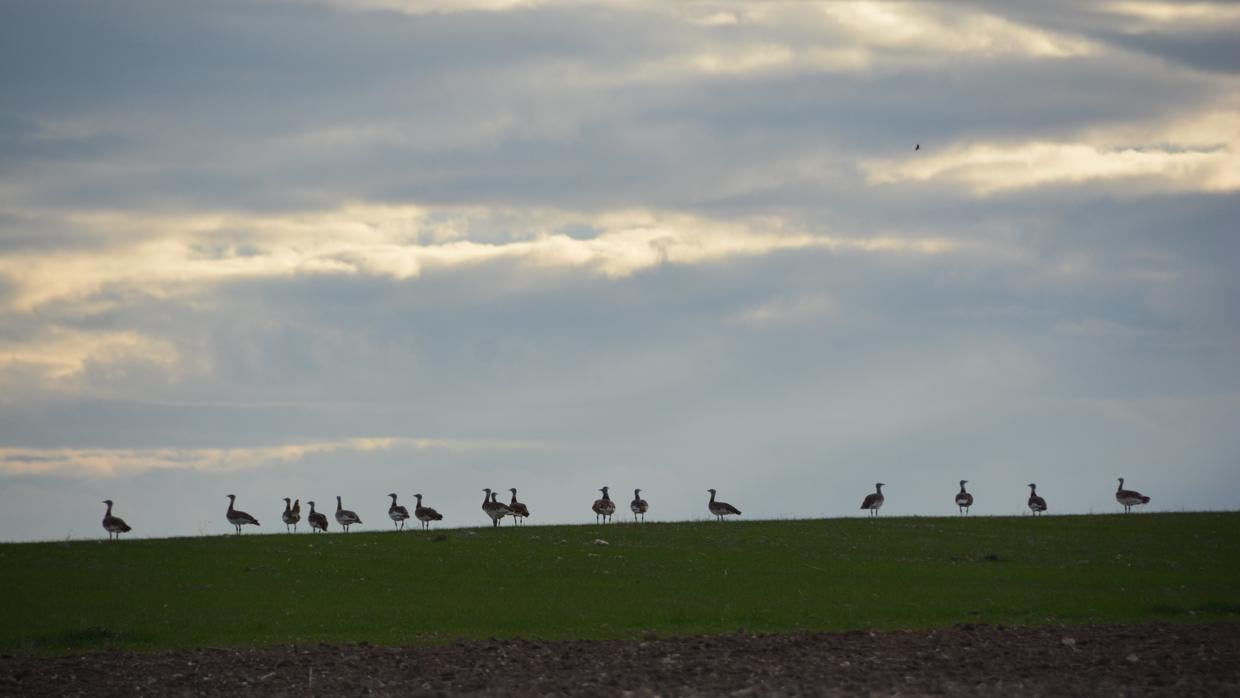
(672, 579)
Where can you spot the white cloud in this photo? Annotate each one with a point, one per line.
(62, 353)
(1196, 153)
(99, 462)
(796, 310)
(179, 252)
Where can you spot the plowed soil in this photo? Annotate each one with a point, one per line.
(1086, 660)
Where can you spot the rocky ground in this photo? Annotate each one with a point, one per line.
(1084, 660)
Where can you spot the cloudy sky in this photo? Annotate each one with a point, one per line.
(353, 247)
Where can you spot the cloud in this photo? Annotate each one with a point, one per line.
(796, 310)
(1200, 152)
(109, 462)
(175, 252)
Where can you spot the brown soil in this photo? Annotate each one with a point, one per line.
(1089, 660)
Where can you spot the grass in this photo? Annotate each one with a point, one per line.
(675, 578)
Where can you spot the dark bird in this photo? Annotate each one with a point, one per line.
(397, 513)
(495, 510)
(344, 517)
(874, 501)
(425, 514)
(603, 507)
(238, 518)
(639, 505)
(720, 509)
(1037, 505)
(520, 512)
(918, 147)
(291, 515)
(113, 524)
(1129, 498)
(964, 500)
(318, 520)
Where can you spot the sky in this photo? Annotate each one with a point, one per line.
(353, 247)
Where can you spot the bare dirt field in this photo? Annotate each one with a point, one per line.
(1083, 660)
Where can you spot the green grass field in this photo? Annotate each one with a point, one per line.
(677, 578)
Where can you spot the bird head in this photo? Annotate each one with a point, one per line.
(287, 500)
(1121, 481)
(230, 496)
(879, 485)
(417, 497)
(1032, 486)
(392, 495)
(310, 502)
(487, 490)
(513, 490)
(603, 489)
(711, 490)
(637, 492)
(108, 502)
(962, 482)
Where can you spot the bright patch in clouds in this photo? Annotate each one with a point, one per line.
(179, 252)
(127, 461)
(1201, 153)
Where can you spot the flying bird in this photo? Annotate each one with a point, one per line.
(918, 147)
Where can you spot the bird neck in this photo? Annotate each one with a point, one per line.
(486, 497)
(109, 511)
(712, 497)
(339, 507)
(288, 506)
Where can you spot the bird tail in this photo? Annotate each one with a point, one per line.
(297, 505)
(125, 527)
(1145, 500)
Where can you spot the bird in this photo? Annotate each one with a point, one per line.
(291, 515)
(639, 505)
(964, 500)
(318, 520)
(917, 147)
(238, 518)
(874, 501)
(604, 507)
(1037, 505)
(520, 512)
(113, 524)
(425, 514)
(397, 513)
(344, 517)
(720, 509)
(495, 510)
(1129, 498)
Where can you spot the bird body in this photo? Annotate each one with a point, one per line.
(238, 518)
(874, 501)
(1129, 498)
(603, 507)
(318, 520)
(344, 517)
(425, 514)
(720, 509)
(397, 513)
(114, 524)
(291, 514)
(520, 512)
(495, 510)
(638, 505)
(964, 500)
(1037, 505)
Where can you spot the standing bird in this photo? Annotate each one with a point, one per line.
(720, 509)
(318, 520)
(113, 524)
(964, 500)
(520, 512)
(495, 510)
(425, 514)
(344, 517)
(397, 513)
(874, 501)
(639, 505)
(1037, 505)
(291, 515)
(603, 508)
(1129, 498)
(238, 518)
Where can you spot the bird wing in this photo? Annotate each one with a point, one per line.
(869, 501)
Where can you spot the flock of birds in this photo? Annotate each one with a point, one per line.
(603, 507)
